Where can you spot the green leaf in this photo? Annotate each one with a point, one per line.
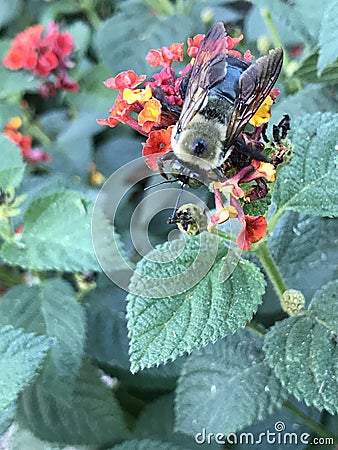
(7, 417)
(240, 389)
(116, 43)
(311, 99)
(108, 246)
(9, 9)
(178, 302)
(107, 336)
(305, 249)
(302, 17)
(309, 183)
(73, 154)
(308, 72)
(50, 309)
(93, 417)
(146, 444)
(11, 166)
(157, 422)
(328, 36)
(7, 111)
(81, 35)
(54, 10)
(303, 351)
(23, 439)
(21, 355)
(14, 82)
(56, 235)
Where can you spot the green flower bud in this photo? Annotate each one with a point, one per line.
(264, 44)
(293, 302)
(191, 219)
(207, 15)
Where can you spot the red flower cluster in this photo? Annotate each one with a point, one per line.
(253, 227)
(24, 141)
(43, 56)
(142, 109)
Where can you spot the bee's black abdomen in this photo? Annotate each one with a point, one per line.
(228, 88)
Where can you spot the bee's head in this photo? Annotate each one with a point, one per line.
(200, 144)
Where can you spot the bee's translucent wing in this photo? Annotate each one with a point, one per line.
(208, 69)
(255, 83)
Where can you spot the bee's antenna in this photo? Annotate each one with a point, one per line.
(172, 217)
(158, 184)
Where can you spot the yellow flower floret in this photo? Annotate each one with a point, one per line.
(137, 95)
(263, 113)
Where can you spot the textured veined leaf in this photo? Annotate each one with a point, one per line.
(309, 183)
(93, 417)
(56, 235)
(227, 386)
(21, 355)
(163, 324)
(303, 351)
(51, 309)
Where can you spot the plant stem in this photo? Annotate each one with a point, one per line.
(223, 235)
(180, 6)
(318, 428)
(37, 133)
(274, 33)
(92, 16)
(274, 219)
(270, 268)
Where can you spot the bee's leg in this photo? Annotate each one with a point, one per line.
(280, 131)
(252, 152)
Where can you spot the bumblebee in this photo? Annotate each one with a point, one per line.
(222, 95)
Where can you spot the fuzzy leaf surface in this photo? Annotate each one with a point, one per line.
(21, 355)
(303, 351)
(93, 417)
(56, 235)
(309, 183)
(50, 309)
(240, 390)
(178, 302)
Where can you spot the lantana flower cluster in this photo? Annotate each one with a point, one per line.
(32, 155)
(45, 55)
(152, 108)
